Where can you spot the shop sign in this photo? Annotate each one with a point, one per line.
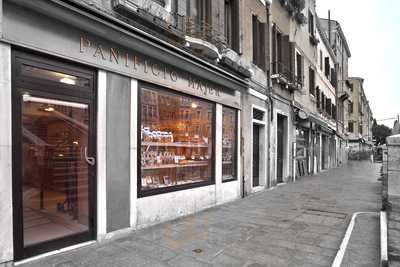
(302, 115)
(145, 67)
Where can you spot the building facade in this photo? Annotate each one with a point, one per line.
(360, 118)
(118, 115)
(341, 50)
(304, 92)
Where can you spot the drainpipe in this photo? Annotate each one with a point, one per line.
(329, 26)
(269, 100)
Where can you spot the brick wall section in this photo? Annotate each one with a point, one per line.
(393, 175)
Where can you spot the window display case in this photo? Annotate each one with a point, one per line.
(229, 136)
(176, 137)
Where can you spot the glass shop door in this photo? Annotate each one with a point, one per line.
(54, 162)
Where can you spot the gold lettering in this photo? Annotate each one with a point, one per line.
(191, 81)
(136, 61)
(84, 43)
(201, 89)
(165, 72)
(126, 60)
(145, 66)
(99, 50)
(153, 69)
(114, 53)
(174, 76)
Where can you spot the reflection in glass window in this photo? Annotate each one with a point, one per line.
(228, 143)
(55, 174)
(54, 76)
(176, 141)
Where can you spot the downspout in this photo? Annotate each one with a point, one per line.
(329, 27)
(269, 99)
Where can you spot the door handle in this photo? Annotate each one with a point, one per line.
(89, 160)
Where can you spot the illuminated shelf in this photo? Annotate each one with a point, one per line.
(170, 166)
(174, 144)
(227, 162)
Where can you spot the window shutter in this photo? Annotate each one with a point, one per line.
(235, 20)
(274, 58)
(334, 112)
(333, 77)
(302, 71)
(255, 39)
(292, 59)
(327, 67)
(286, 55)
(261, 53)
(318, 97)
(310, 80)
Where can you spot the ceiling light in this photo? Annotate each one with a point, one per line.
(75, 142)
(194, 105)
(68, 81)
(49, 109)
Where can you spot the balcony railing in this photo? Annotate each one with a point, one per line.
(204, 30)
(285, 74)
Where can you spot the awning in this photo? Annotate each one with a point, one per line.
(323, 126)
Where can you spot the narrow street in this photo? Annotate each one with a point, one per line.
(296, 224)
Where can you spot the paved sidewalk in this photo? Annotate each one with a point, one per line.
(298, 224)
(364, 245)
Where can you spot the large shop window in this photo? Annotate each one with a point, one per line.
(177, 143)
(229, 133)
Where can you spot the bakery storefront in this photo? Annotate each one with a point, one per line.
(105, 131)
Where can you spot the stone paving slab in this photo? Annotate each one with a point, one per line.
(297, 224)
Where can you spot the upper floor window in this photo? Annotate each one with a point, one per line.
(327, 67)
(321, 66)
(203, 13)
(351, 107)
(310, 23)
(334, 111)
(258, 42)
(299, 68)
(350, 127)
(311, 83)
(276, 59)
(231, 24)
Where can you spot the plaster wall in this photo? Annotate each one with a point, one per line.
(6, 218)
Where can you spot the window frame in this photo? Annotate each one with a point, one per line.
(157, 191)
(235, 149)
(299, 67)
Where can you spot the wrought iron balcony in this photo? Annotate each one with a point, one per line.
(203, 30)
(285, 75)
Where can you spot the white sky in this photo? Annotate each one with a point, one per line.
(372, 29)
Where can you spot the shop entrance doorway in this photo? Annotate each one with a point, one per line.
(280, 148)
(54, 155)
(256, 155)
